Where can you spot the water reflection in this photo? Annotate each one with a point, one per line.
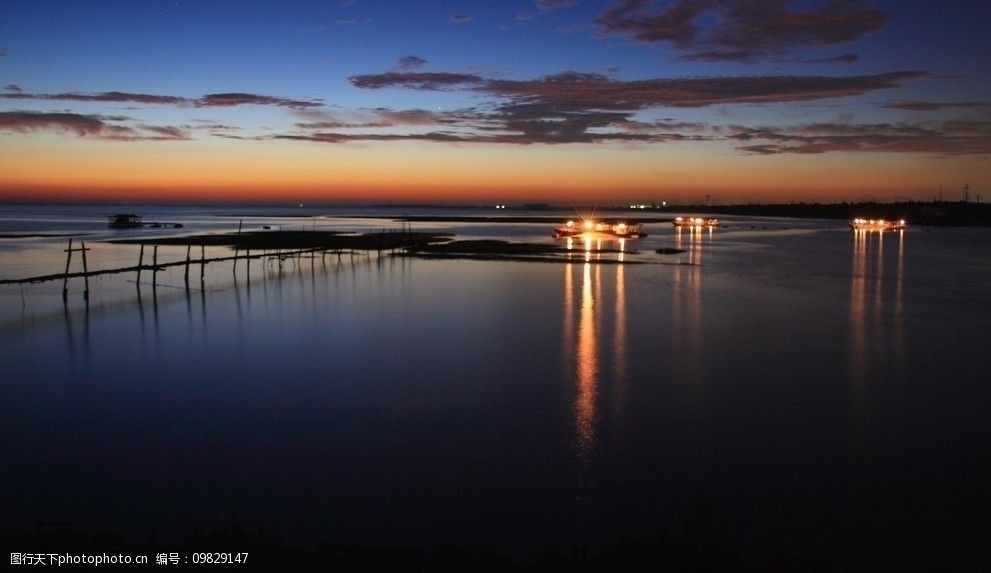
(588, 352)
(587, 368)
(874, 299)
(686, 299)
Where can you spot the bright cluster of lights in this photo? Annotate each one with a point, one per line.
(500, 206)
(878, 224)
(695, 222)
(588, 226)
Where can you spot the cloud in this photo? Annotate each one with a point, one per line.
(235, 99)
(90, 126)
(947, 138)
(509, 123)
(577, 90)
(742, 56)
(459, 18)
(546, 5)
(414, 80)
(408, 63)
(452, 137)
(3, 52)
(13, 88)
(935, 105)
(760, 29)
(582, 90)
(210, 100)
(841, 59)
(116, 97)
(574, 107)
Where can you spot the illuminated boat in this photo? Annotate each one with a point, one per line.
(593, 229)
(695, 222)
(877, 225)
(124, 221)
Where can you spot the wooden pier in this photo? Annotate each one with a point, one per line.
(276, 245)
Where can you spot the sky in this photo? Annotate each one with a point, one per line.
(475, 102)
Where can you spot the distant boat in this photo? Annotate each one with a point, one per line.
(695, 222)
(124, 221)
(877, 225)
(590, 228)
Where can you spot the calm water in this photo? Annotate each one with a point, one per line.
(819, 391)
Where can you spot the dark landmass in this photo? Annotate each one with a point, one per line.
(484, 219)
(494, 250)
(497, 247)
(329, 240)
(39, 235)
(935, 213)
(516, 258)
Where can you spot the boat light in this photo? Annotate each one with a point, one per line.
(571, 223)
(589, 225)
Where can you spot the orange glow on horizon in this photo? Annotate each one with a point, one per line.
(54, 168)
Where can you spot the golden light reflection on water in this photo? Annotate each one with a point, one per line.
(587, 367)
(686, 296)
(870, 332)
(587, 350)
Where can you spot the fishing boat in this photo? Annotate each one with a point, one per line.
(124, 221)
(877, 225)
(597, 229)
(695, 222)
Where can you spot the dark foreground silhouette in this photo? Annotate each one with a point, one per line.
(697, 547)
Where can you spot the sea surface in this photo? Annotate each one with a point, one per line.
(804, 389)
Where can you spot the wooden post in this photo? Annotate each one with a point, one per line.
(154, 266)
(85, 274)
(202, 262)
(186, 276)
(141, 258)
(247, 261)
(65, 279)
(237, 246)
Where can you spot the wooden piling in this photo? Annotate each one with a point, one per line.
(154, 267)
(65, 280)
(141, 258)
(85, 273)
(236, 248)
(202, 263)
(186, 275)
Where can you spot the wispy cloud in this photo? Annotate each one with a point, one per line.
(409, 63)
(547, 5)
(573, 107)
(746, 30)
(583, 90)
(459, 18)
(414, 80)
(946, 138)
(90, 126)
(209, 100)
(936, 105)
(234, 99)
(13, 88)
